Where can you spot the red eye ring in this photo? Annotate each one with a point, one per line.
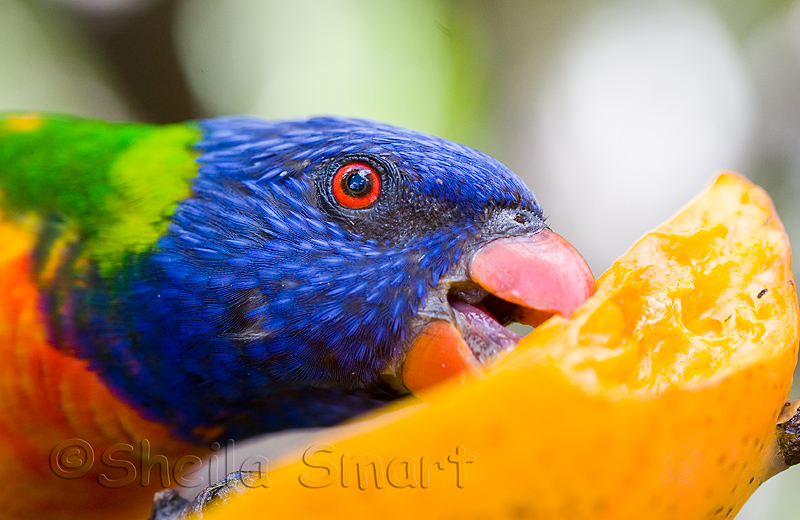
(356, 185)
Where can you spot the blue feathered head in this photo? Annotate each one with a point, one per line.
(326, 264)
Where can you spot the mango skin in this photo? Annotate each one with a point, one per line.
(553, 437)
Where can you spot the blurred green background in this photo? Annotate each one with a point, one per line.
(616, 112)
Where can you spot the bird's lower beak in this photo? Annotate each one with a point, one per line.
(536, 276)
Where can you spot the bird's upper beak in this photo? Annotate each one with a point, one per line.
(525, 279)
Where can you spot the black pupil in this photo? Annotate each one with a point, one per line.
(358, 183)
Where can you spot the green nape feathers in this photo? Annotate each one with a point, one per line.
(113, 184)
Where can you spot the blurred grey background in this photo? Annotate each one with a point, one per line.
(615, 113)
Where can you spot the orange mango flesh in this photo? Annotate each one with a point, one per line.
(659, 399)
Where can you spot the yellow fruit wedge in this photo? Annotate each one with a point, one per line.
(659, 399)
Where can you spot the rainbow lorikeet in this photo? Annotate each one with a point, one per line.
(228, 277)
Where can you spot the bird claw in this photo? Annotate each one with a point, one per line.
(169, 505)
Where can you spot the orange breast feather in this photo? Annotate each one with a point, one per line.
(48, 397)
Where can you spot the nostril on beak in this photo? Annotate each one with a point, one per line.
(522, 218)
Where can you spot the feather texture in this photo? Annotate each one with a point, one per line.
(199, 281)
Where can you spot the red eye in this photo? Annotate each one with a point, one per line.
(356, 185)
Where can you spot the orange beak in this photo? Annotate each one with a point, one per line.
(540, 274)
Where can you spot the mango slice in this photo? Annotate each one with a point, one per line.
(659, 398)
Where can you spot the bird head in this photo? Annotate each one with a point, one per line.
(342, 252)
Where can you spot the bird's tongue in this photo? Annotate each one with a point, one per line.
(486, 336)
(542, 274)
